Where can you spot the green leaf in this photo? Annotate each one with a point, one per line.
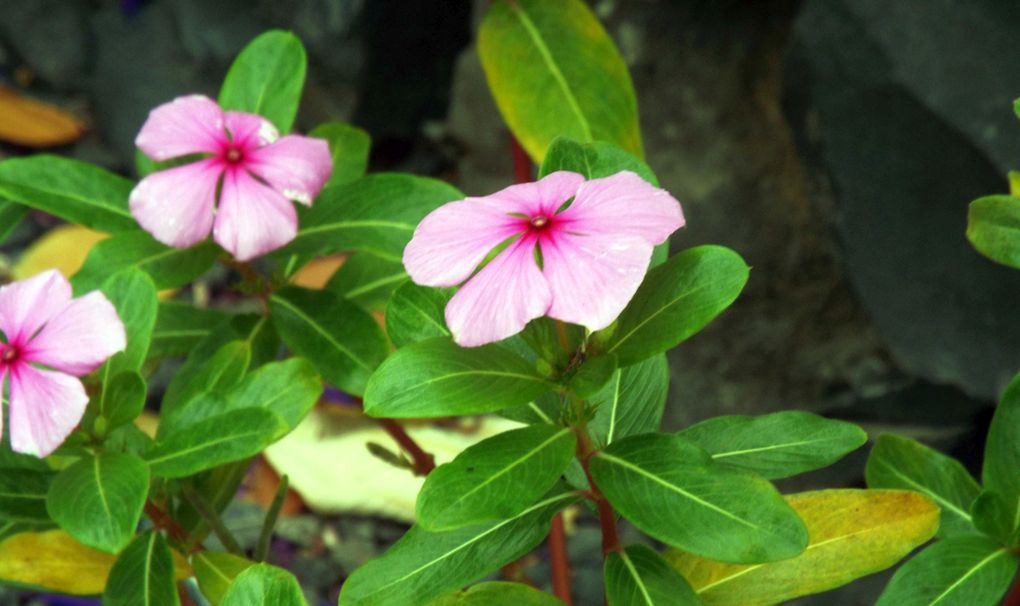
(368, 280)
(593, 160)
(218, 373)
(344, 342)
(215, 570)
(993, 227)
(231, 436)
(121, 400)
(638, 576)
(776, 445)
(180, 326)
(853, 533)
(266, 78)
(676, 300)
(377, 213)
(496, 478)
(424, 565)
(99, 499)
(288, 389)
(958, 571)
(675, 492)
(632, 402)
(348, 145)
(436, 378)
(498, 593)
(11, 215)
(143, 575)
(23, 495)
(553, 71)
(416, 313)
(134, 296)
(1002, 450)
(264, 585)
(898, 462)
(168, 267)
(592, 376)
(994, 515)
(75, 191)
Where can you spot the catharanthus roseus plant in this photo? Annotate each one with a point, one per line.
(551, 302)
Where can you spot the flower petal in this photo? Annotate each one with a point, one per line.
(253, 219)
(501, 299)
(28, 304)
(45, 408)
(540, 198)
(452, 240)
(593, 277)
(295, 166)
(186, 125)
(176, 205)
(623, 203)
(80, 337)
(249, 131)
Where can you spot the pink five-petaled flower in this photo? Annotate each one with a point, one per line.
(254, 170)
(594, 253)
(49, 340)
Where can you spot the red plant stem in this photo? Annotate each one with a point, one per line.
(182, 593)
(162, 520)
(559, 560)
(607, 517)
(1013, 597)
(423, 462)
(522, 163)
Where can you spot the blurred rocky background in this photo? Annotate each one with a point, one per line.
(834, 143)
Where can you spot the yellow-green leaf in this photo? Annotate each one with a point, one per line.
(54, 561)
(853, 533)
(554, 71)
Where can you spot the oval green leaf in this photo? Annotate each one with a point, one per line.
(266, 78)
(180, 326)
(632, 402)
(368, 280)
(215, 570)
(264, 585)
(1002, 450)
(143, 575)
(416, 313)
(993, 227)
(348, 146)
(498, 593)
(23, 495)
(168, 267)
(638, 576)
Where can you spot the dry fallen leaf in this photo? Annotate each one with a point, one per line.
(31, 123)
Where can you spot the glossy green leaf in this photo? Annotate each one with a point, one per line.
(121, 400)
(995, 516)
(495, 478)
(638, 576)
(344, 342)
(99, 499)
(348, 146)
(593, 160)
(11, 215)
(436, 378)
(368, 280)
(899, 462)
(266, 78)
(264, 585)
(231, 436)
(75, 191)
(180, 326)
(498, 593)
(592, 376)
(776, 445)
(143, 574)
(993, 227)
(553, 71)
(134, 296)
(958, 571)
(216, 374)
(377, 213)
(215, 570)
(168, 267)
(416, 313)
(1001, 471)
(424, 565)
(632, 402)
(673, 490)
(676, 300)
(853, 533)
(23, 495)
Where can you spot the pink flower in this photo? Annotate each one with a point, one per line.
(243, 158)
(594, 253)
(50, 339)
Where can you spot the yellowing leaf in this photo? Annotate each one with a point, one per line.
(853, 533)
(63, 248)
(54, 561)
(34, 124)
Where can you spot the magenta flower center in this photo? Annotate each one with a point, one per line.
(539, 222)
(9, 355)
(233, 155)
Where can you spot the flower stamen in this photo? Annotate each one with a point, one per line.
(539, 222)
(233, 155)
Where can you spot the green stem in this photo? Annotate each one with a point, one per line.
(262, 549)
(212, 519)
